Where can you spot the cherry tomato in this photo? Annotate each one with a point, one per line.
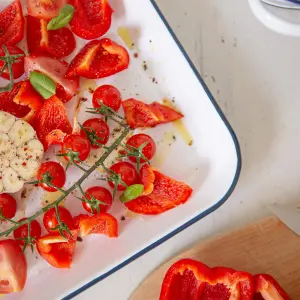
(109, 96)
(50, 219)
(8, 206)
(138, 140)
(13, 269)
(22, 232)
(57, 173)
(100, 128)
(77, 143)
(45, 9)
(18, 67)
(100, 193)
(127, 172)
(11, 24)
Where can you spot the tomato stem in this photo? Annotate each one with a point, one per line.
(62, 227)
(9, 60)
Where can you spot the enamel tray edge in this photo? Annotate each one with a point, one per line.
(201, 215)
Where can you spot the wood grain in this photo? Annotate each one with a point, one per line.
(267, 246)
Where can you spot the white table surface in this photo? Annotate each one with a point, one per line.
(254, 74)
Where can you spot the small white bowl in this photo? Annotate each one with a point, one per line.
(281, 20)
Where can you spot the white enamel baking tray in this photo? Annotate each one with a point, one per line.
(211, 165)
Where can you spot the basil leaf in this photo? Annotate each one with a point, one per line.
(45, 86)
(132, 192)
(64, 18)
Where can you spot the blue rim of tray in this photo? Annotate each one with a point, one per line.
(203, 214)
(294, 1)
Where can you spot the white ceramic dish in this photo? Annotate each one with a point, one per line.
(211, 165)
(282, 20)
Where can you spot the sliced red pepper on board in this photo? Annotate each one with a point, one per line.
(98, 59)
(91, 19)
(188, 279)
(52, 117)
(57, 43)
(56, 69)
(167, 194)
(102, 223)
(267, 288)
(57, 250)
(139, 114)
(11, 24)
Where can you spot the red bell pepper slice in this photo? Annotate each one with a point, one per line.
(22, 102)
(188, 279)
(27, 96)
(147, 179)
(12, 24)
(52, 117)
(91, 19)
(167, 193)
(102, 223)
(139, 114)
(57, 250)
(57, 43)
(267, 288)
(98, 59)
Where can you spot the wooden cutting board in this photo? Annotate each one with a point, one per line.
(267, 246)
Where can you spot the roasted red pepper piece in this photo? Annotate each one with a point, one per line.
(11, 24)
(167, 193)
(147, 179)
(55, 137)
(98, 59)
(57, 250)
(102, 223)
(139, 114)
(52, 117)
(188, 279)
(57, 43)
(91, 19)
(27, 96)
(22, 102)
(267, 288)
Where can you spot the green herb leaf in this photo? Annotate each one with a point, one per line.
(64, 18)
(132, 192)
(45, 86)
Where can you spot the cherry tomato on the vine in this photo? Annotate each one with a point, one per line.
(100, 193)
(109, 96)
(99, 127)
(57, 173)
(77, 143)
(140, 139)
(22, 231)
(8, 206)
(128, 174)
(50, 219)
(17, 67)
